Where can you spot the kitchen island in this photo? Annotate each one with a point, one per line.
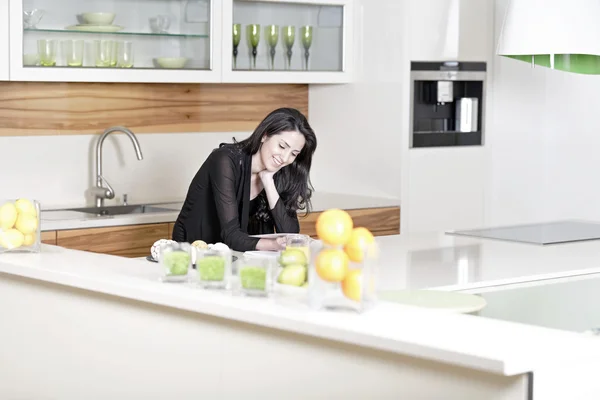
(85, 325)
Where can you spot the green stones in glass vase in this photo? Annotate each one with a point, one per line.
(255, 275)
(213, 267)
(175, 260)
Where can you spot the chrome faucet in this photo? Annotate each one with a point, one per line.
(99, 191)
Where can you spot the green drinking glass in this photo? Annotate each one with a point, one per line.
(237, 36)
(253, 33)
(289, 36)
(307, 35)
(272, 34)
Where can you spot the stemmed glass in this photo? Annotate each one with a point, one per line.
(237, 36)
(307, 35)
(272, 39)
(289, 36)
(253, 32)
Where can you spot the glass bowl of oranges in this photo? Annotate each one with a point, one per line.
(343, 268)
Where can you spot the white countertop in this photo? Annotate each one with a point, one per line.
(475, 342)
(58, 218)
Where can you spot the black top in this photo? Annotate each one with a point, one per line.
(217, 207)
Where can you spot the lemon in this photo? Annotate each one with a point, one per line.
(352, 285)
(25, 206)
(334, 227)
(11, 239)
(8, 216)
(26, 223)
(29, 239)
(332, 264)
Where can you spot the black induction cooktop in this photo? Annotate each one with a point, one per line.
(540, 233)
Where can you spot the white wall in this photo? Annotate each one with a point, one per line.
(545, 143)
(360, 124)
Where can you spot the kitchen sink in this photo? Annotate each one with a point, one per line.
(122, 210)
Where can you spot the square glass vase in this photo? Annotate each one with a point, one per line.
(175, 260)
(255, 275)
(20, 230)
(337, 281)
(293, 262)
(213, 268)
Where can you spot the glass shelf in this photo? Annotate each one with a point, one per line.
(167, 35)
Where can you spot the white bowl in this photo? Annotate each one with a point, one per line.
(98, 18)
(172, 62)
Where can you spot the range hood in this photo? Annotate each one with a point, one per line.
(558, 34)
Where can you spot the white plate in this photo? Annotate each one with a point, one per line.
(258, 253)
(270, 235)
(94, 28)
(435, 299)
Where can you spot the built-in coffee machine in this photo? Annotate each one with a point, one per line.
(447, 103)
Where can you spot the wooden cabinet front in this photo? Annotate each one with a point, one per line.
(380, 221)
(126, 241)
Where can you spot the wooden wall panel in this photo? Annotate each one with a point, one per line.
(57, 108)
(380, 221)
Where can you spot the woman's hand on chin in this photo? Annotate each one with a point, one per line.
(266, 176)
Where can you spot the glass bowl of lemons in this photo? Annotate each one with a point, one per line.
(20, 226)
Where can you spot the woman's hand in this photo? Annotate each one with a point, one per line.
(266, 177)
(276, 244)
(268, 182)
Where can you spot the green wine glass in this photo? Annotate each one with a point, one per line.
(253, 32)
(272, 39)
(289, 36)
(307, 35)
(237, 36)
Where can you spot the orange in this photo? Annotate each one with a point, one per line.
(359, 239)
(352, 285)
(334, 227)
(332, 265)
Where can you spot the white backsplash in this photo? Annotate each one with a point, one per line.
(58, 170)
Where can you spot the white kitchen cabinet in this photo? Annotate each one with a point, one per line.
(72, 42)
(295, 41)
(196, 46)
(4, 41)
(449, 30)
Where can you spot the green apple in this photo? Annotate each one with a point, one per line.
(293, 275)
(292, 257)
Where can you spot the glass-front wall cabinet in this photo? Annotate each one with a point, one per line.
(115, 35)
(284, 36)
(266, 41)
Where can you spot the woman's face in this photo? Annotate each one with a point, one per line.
(281, 149)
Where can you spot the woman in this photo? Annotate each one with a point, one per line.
(252, 187)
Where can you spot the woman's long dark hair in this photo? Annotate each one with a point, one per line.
(292, 181)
